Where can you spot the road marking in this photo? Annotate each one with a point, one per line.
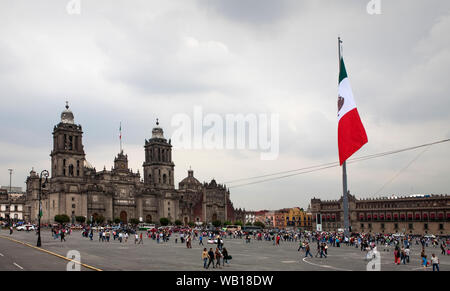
(1, 255)
(288, 262)
(324, 266)
(51, 253)
(17, 266)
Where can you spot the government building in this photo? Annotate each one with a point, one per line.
(76, 188)
(415, 214)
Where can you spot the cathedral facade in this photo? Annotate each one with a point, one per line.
(76, 188)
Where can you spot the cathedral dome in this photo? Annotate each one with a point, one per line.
(190, 181)
(157, 131)
(67, 115)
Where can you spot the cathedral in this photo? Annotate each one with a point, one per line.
(76, 188)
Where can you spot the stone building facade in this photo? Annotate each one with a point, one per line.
(12, 206)
(417, 214)
(76, 188)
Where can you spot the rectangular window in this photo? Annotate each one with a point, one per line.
(425, 225)
(441, 226)
(382, 225)
(73, 205)
(410, 226)
(396, 225)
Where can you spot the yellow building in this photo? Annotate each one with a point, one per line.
(297, 217)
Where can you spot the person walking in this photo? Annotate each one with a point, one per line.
(141, 241)
(318, 248)
(397, 256)
(424, 258)
(218, 255)
(62, 235)
(322, 250)
(308, 250)
(205, 258)
(407, 252)
(211, 258)
(435, 262)
(11, 230)
(200, 240)
(226, 256)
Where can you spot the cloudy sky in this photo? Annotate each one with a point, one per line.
(135, 61)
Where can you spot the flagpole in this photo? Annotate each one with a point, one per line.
(344, 170)
(120, 137)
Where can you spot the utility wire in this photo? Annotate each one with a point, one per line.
(326, 166)
(403, 169)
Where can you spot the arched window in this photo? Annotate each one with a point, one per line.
(71, 170)
(164, 179)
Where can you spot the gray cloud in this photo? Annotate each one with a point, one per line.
(136, 62)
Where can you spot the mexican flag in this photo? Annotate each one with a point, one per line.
(351, 133)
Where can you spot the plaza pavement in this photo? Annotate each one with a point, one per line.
(171, 256)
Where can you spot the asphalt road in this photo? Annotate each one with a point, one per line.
(171, 256)
(19, 257)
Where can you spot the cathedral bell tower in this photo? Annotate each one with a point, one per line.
(68, 152)
(158, 165)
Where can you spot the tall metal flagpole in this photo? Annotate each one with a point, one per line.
(120, 136)
(344, 169)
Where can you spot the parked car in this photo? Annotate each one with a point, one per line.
(26, 227)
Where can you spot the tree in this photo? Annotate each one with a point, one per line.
(134, 221)
(178, 222)
(116, 220)
(62, 218)
(227, 223)
(164, 221)
(238, 222)
(217, 223)
(191, 224)
(249, 223)
(80, 219)
(99, 219)
(260, 224)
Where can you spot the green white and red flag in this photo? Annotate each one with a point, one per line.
(351, 133)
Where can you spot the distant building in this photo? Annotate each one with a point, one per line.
(280, 218)
(298, 218)
(13, 189)
(11, 206)
(415, 214)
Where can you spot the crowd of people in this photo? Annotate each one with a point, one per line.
(399, 245)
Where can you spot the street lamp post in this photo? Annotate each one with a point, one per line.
(44, 174)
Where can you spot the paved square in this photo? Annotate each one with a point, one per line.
(171, 256)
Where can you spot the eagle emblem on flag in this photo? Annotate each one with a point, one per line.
(340, 103)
